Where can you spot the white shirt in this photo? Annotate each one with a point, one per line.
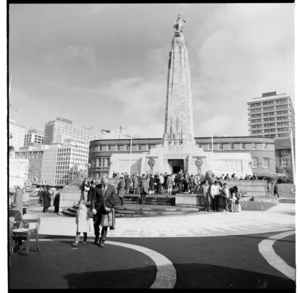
(214, 190)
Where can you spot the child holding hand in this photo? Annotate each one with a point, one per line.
(82, 222)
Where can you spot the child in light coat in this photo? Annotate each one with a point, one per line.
(82, 222)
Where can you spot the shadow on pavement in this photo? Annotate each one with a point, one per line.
(217, 277)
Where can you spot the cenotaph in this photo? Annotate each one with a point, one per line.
(178, 150)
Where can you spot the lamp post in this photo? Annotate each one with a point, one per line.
(130, 150)
(241, 126)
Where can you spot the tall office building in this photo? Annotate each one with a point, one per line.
(18, 134)
(33, 152)
(58, 130)
(34, 136)
(271, 115)
(62, 161)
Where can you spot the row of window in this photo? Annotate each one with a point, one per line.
(282, 101)
(271, 114)
(270, 130)
(269, 108)
(270, 124)
(125, 147)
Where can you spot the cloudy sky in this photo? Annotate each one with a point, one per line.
(105, 65)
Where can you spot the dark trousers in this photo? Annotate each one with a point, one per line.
(226, 203)
(97, 222)
(213, 203)
(143, 197)
(56, 209)
(180, 185)
(45, 210)
(121, 200)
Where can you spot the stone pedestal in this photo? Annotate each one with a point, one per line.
(18, 172)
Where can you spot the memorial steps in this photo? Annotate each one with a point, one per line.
(153, 207)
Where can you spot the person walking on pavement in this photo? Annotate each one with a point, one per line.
(103, 193)
(56, 201)
(41, 197)
(135, 182)
(82, 222)
(46, 199)
(121, 189)
(276, 189)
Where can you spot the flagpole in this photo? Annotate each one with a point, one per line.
(130, 151)
(212, 143)
(292, 151)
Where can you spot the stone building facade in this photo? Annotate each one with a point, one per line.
(261, 149)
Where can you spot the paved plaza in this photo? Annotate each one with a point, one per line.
(251, 249)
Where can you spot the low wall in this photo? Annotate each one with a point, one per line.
(189, 199)
(250, 187)
(68, 198)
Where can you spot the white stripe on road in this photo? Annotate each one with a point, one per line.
(266, 250)
(166, 272)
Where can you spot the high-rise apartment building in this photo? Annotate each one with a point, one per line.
(18, 134)
(58, 130)
(62, 161)
(34, 136)
(271, 115)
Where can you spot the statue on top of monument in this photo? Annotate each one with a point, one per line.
(179, 25)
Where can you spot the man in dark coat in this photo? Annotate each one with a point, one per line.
(46, 199)
(104, 192)
(121, 190)
(127, 183)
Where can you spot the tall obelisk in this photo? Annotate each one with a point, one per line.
(179, 115)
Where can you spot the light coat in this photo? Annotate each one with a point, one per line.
(121, 188)
(82, 219)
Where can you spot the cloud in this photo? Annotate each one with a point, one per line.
(72, 54)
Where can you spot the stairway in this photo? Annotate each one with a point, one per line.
(287, 200)
(154, 206)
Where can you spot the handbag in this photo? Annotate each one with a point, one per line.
(108, 220)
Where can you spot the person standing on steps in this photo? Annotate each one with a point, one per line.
(121, 189)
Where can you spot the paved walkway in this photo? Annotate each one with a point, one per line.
(278, 218)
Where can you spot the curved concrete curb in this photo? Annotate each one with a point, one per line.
(166, 272)
(266, 250)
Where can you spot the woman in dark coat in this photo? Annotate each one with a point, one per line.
(47, 200)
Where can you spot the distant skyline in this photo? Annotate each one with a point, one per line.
(105, 65)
